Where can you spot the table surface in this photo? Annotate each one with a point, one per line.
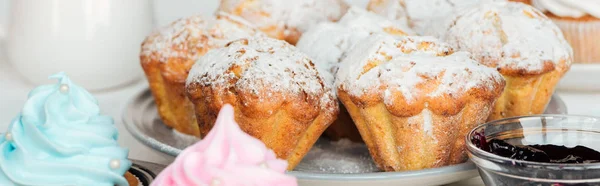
(15, 89)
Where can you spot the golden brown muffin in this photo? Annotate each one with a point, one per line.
(168, 54)
(414, 100)
(523, 44)
(277, 93)
(328, 43)
(285, 20)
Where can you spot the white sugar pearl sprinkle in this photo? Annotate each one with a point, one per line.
(64, 88)
(264, 165)
(8, 137)
(215, 182)
(115, 164)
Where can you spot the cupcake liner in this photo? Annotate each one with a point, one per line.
(584, 37)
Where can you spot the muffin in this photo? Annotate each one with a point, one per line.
(285, 20)
(226, 156)
(60, 138)
(522, 1)
(328, 43)
(168, 54)
(523, 44)
(413, 99)
(277, 93)
(418, 14)
(579, 22)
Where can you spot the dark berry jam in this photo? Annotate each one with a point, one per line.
(537, 153)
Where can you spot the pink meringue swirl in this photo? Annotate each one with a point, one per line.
(227, 156)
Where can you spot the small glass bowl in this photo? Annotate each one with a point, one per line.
(564, 130)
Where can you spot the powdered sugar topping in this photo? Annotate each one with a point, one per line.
(297, 14)
(261, 65)
(190, 37)
(388, 66)
(392, 9)
(361, 19)
(509, 35)
(419, 13)
(427, 122)
(328, 43)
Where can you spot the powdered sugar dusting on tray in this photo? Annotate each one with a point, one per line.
(327, 43)
(509, 35)
(338, 157)
(393, 65)
(265, 65)
(185, 37)
(296, 14)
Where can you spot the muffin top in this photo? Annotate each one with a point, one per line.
(414, 72)
(327, 43)
(417, 13)
(60, 138)
(182, 42)
(361, 19)
(263, 74)
(227, 156)
(569, 8)
(282, 19)
(513, 37)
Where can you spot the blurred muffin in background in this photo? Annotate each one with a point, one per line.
(285, 20)
(580, 22)
(418, 14)
(522, 1)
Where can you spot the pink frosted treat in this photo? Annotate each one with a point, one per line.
(226, 157)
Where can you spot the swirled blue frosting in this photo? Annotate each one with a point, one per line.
(60, 138)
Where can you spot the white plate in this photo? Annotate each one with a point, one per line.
(581, 77)
(327, 164)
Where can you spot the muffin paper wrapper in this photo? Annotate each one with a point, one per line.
(584, 37)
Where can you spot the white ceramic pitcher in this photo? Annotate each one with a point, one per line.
(96, 42)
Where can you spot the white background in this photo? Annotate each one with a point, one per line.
(165, 10)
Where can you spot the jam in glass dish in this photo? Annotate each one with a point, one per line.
(551, 150)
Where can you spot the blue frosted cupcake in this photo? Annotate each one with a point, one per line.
(60, 138)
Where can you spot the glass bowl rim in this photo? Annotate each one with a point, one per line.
(496, 159)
